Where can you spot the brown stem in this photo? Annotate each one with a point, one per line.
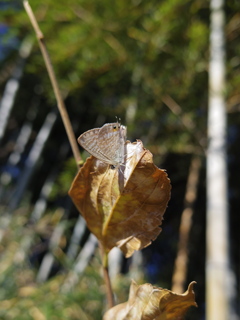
(106, 277)
(60, 103)
(180, 267)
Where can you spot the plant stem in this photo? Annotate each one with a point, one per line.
(106, 277)
(60, 103)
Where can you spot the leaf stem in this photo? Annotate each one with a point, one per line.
(60, 103)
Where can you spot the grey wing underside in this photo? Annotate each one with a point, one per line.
(89, 141)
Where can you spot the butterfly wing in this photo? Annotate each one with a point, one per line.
(88, 140)
(105, 143)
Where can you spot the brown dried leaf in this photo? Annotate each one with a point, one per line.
(147, 302)
(124, 206)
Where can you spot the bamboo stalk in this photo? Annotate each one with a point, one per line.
(180, 266)
(220, 280)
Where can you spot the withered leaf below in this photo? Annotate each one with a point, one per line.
(147, 302)
(123, 206)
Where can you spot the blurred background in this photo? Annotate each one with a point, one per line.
(145, 62)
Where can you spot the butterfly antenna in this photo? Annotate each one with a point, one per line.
(118, 119)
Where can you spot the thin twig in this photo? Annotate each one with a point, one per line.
(186, 121)
(61, 105)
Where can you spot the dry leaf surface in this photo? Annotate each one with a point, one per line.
(147, 302)
(123, 206)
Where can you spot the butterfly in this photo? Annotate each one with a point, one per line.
(106, 143)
